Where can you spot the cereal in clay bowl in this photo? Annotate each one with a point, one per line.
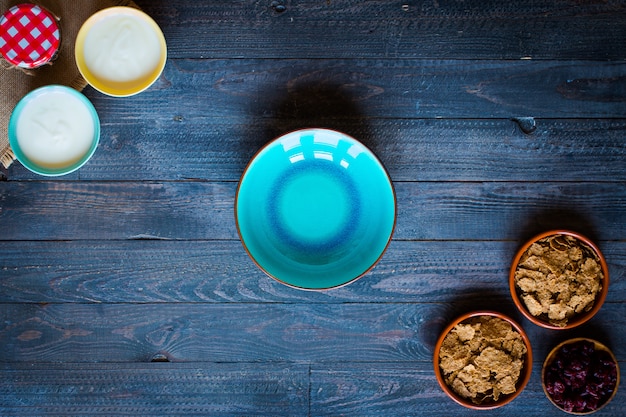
(483, 360)
(559, 279)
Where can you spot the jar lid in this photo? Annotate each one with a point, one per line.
(29, 36)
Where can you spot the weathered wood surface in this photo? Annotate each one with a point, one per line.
(203, 210)
(218, 149)
(175, 389)
(378, 88)
(496, 121)
(254, 332)
(363, 390)
(393, 29)
(161, 271)
(154, 389)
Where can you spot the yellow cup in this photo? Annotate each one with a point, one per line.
(120, 51)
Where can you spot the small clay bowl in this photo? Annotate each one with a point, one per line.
(577, 319)
(524, 376)
(552, 356)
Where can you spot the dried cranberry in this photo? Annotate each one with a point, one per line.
(580, 378)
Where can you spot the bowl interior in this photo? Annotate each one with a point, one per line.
(315, 209)
(552, 356)
(114, 85)
(522, 381)
(577, 319)
(86, 111)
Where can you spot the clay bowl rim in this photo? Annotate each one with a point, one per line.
(550, 358)
(526, 371)
(579, 319)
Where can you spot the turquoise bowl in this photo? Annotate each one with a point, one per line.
(315, 209)
(86, 111)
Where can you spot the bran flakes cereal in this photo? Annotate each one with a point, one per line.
(557, 278)
(482, 359)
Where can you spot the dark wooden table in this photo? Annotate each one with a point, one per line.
(124, 288)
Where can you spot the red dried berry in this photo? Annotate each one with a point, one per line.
(581, 378)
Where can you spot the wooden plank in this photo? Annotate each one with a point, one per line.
(508, 210)
(51, 210)
(135, 257)
(252, 332)
(221, 272)
(350, 389)
(248, 89)
(113, 210)
(411, 390)
(163, 389)
(354, 28)
(411, 149)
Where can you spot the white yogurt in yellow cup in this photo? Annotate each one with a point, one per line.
(54, 130)
(120, 51)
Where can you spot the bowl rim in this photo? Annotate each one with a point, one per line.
(579, 319)
(17, 150)
(94, 81)
(550, 358)
(524, 377)
(236, 210)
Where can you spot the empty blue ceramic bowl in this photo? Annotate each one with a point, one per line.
(315, 209)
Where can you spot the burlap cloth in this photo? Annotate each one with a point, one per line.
(15, 83)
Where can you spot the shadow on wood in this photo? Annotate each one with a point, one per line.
(557, 218)
(319, 104)
(465, 302)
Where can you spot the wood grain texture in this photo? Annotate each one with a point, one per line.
(252, 332)
(496, 121)
(410, 29)
(155, 389)
(247, 89)
(391, 389)
(176, 389)
(204, 210)
(141, 271)
(217, 333)
(205, 148)
(113, 210)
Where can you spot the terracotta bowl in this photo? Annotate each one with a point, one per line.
(552, 357)
(579, 318)
(524, 376)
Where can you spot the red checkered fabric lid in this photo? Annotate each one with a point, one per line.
(29, 36)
